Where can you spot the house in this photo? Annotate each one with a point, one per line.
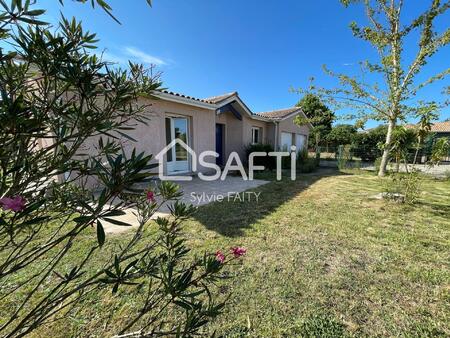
(439, 129)
(224, 124)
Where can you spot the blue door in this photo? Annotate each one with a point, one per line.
(219, 144)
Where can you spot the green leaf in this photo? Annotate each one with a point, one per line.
(116, 222)
(114, 213)
(100, 234)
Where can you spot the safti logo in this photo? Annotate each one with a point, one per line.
(234, 163)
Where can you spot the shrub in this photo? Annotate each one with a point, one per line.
(403, 187)
(366, 144)
(343, 156)
(54, 251)
(269, 162)
(306, 164)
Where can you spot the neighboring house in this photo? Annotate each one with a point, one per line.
(222, 123)
(439, 129)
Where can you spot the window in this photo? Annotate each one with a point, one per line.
(256, 135)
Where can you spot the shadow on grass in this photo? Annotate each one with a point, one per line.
(231, 217)
(438, 209)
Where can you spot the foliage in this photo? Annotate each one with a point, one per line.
(306, 164)
(392, 93)
(269, 162)
(369, 145)
(344, 155)
(56, 102)
(440, 149)
(341, 134)
(407, 185)
(423, 128)
(403, 141)
(319, 115)
(366, 145)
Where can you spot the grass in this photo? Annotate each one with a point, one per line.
(324, 259)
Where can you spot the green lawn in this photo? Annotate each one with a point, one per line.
(323, 258)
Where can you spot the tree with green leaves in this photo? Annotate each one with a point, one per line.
(341, 134)
(391, 95)
(54, 251)
(319, 115)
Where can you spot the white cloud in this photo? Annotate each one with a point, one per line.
(143, 57)
(106, 56)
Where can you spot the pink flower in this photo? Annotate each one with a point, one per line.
(220, 256)
(238, 251)
(151, 196)
(17, 203)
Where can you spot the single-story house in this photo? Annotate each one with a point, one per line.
(439, 129)
(222, 123)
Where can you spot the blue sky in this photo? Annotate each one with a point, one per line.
(259, 48)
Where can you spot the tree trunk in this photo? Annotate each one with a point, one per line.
(387, 149)
(415, 156)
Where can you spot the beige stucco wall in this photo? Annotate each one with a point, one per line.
(248, 124)
(151, 137)
(238, 133)
(288, 126)
(271, 133)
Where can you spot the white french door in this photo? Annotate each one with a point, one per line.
(177, 156)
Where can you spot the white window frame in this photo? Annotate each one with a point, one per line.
(259, 139)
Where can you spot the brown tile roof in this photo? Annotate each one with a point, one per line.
(219, 98)
(437, 127)
(440, 127)
(278, 114)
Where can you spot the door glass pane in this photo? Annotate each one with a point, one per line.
(180, 126)
(168, 138)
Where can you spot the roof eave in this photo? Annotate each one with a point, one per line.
(184, 100)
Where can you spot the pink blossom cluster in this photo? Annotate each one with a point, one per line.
(235, 251)
(16, 203)
(150, 195)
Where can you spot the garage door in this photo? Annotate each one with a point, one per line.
(300, 141)
(286, 141)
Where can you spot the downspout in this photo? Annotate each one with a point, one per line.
(276, 135)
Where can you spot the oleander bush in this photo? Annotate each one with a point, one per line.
(54, 253)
